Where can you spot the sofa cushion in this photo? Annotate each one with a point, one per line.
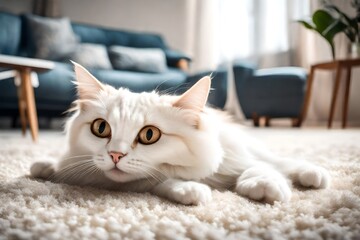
(109, 37)
(56, 86)
(273, 92)
(277, 82)
(51, 39)
(139, 82)
(10, 33)
(92, 56)
(97, 35)
(146, 40)
(138, 59)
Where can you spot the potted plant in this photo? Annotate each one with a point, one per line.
(330, 21)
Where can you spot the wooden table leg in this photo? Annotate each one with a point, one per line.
(334, 95)
(22, 107)
(346, 97)
(30, 103)
(307, 96)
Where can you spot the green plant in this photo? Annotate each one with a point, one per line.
(326, 25)
(352, 27)
(330, 21)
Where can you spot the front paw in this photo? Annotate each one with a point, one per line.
(314, 176)
(191, 193)
(264, 188)
(42, 170)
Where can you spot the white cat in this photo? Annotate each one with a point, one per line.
(172, 146)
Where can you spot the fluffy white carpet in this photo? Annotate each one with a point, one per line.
(33, 209)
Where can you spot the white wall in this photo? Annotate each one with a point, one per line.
(16, 6)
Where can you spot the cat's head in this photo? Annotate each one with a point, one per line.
(131, 136)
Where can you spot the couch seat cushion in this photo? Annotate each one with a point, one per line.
(277, 83)
(275, 92)
(140, 82)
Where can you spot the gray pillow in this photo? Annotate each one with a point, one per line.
(151, 60)
(53, 38)
(92, 56)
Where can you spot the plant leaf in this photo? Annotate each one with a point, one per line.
(322, 20)
(351, 22)
(334, 28)
(308, 25)
(350, 34)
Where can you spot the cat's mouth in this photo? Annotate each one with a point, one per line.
(116, 170)
(119, 175)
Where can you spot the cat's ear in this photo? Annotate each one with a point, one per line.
(196, 97)
(88, 86)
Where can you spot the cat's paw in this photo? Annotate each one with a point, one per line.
(314, 176)
(264, 187)
(191, 193)
(42, 170)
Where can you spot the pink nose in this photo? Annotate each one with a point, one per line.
(116, 156)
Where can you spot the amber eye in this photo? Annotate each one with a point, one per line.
(100, 128)
(149, 135)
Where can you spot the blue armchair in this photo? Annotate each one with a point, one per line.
(270, 93)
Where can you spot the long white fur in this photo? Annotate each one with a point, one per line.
(199, 147)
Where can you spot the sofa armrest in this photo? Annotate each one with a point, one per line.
(177, 59)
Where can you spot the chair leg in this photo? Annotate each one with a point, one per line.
(307, 96)
(346, 97)
(296, 122)
(267, 121)
(255, 119)
(334, 95)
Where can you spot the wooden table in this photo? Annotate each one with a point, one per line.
(338, 66)
(27, 107)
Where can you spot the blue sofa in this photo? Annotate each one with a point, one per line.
(270, 93)
(56, 92)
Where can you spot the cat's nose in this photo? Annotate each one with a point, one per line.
(116, 156)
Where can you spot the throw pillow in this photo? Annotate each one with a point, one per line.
(92, 56)
(151, 60)
(52, 38)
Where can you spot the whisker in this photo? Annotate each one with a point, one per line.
(78, 156)
(145, 164)
(155, 169)
(143, 170)
(71, 171)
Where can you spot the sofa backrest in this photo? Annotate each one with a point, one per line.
(109, 37)
(14, 36)
(10, 33)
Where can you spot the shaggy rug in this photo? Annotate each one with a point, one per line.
(32, 209)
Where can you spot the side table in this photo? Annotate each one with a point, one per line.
(27, 107)
(338, 66)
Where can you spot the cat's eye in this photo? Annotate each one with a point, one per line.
(149, 135)
(100, 128)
